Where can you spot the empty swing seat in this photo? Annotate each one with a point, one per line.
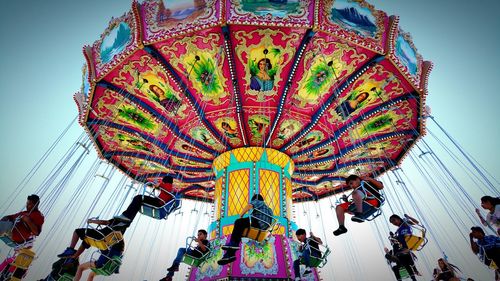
(110, 267)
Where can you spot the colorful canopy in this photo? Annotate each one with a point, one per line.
(336, 85)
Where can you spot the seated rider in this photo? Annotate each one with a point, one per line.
(105, 255)
(492, 205)
(202, 247)
(80, 233)
(400, 256)
(21, 226)
(445, 271)
(60, 267)
(486, 246)
(404, 225)
(366, 189)
(165, 196)
(308, 250)
(262, 219)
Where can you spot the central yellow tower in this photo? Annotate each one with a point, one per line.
(243, 172)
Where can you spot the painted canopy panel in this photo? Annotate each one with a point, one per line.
(277, 13)
(165, 19)
(171, 85)
(356, 21)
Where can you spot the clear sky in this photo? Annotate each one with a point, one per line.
(41, 59)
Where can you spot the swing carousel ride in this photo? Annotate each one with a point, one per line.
(237, 97)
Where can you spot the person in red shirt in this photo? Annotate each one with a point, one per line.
(21, 226)
(366, 189)
(163, 198)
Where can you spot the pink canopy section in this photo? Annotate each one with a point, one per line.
(336, 85)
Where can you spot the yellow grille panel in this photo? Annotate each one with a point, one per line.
(269, 189)
(288, 186)
(248, 154)
(222, 161)
(277, 158)
(239, 183)
(226, 230)
(217, 197)
(252, 154)
(263, 168)
(280, 230)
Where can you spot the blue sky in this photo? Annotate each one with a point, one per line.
(41, 59)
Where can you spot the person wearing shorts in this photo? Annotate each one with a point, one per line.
(366, 189)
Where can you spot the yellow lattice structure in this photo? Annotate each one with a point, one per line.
(238, 196)
(217, 196)
(244, 172)
(252, 154)
(269, 182)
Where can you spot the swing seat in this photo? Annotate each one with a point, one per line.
(17, 274)
(313, 261)
(110, 267)
(11, 243)
(369, 212)
(317, 262)
(415, 243)
(195, 261)
(493, 266)
(256, 234)
(403, 273)
(163, 211)
(106, 242)
(8, 241)
(66, 277)
(192, 260)
(417, 240)
(24, 258)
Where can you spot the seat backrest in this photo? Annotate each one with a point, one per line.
(369, 212)
(403, 273)
(106, 242)
(265, 220)
(66, 277)
(11, 243)
(109, 267)
(314, 250)
(375, 193)
(24, 258)
(493, 265)
(414, 242)
(318, 255)
(163, 211)
(8, 241)
(256, 234)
